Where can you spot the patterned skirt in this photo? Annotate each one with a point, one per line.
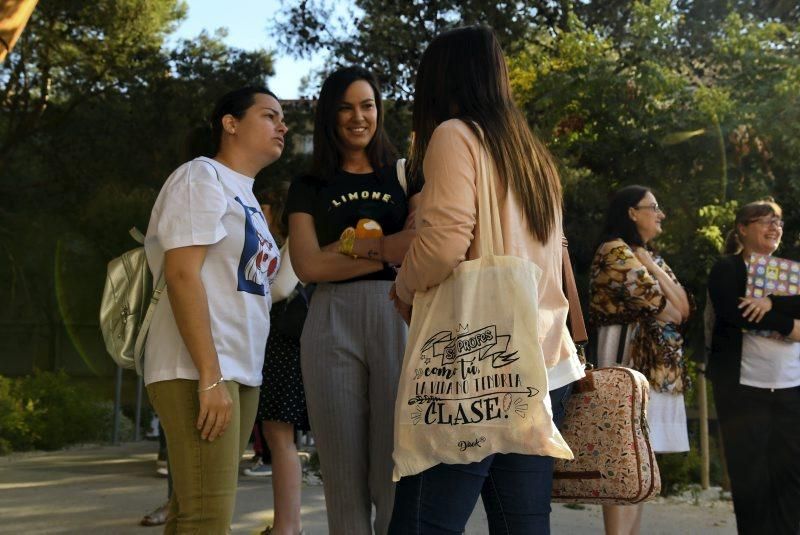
(282, 397)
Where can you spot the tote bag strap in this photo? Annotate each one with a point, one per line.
(401, 175)
(488, 208)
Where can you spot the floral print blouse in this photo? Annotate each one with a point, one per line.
(624, 292)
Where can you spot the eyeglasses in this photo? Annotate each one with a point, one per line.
(768, 222)
(654, 207)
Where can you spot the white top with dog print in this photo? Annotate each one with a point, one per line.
(198, 206)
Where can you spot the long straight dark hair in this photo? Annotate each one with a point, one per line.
(327, 159)
(463, 75)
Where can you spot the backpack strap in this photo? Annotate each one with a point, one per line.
(138, 348)
(401, 175)
(137, 235)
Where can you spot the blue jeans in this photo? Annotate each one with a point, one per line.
(515, 490)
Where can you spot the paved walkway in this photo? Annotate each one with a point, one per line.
(107, 489)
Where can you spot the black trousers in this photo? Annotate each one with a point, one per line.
(761, 437)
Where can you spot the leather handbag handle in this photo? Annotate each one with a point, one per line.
(577, 325)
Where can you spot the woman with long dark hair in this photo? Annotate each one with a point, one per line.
(463, 108)
(352, 343)
(203, 356)
(639, 308)
(756, 379)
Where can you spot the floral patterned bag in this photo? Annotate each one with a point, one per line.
(606, 428)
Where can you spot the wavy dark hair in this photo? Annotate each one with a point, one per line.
(746, 215)
(463, 75)
(235, 103)
(327, 159)
(619, 224)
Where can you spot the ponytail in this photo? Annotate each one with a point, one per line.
(733, 245)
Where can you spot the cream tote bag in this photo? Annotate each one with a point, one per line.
(473, 380)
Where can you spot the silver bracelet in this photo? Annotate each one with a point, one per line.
(212, 385)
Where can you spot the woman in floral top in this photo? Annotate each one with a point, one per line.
(638, 307)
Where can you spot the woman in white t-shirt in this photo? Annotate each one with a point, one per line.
(205, 349)
(756, 379)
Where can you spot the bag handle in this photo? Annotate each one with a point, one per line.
(488, 208)
(577, 325)
(401, 175)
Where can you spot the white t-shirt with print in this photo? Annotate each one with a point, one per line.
(195, 207)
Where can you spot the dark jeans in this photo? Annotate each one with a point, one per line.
(761, 437)
(515, 490)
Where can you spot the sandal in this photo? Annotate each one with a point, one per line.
(268, 531)
(156, 517)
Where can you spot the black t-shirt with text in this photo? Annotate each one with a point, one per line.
(340, 202)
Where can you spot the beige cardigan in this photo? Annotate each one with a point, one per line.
(447, 233)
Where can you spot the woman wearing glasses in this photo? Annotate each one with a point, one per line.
(756, 380)
(639, 307)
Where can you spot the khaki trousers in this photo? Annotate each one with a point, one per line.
(204, 474)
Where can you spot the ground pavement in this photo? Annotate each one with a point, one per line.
(107, 489)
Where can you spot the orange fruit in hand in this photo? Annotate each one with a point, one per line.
(368, 228)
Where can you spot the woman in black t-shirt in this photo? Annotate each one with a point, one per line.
(353, 340)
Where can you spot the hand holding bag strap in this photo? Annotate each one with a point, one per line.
(577, 325)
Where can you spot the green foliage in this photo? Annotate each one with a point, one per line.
(389, 37)
(14, 432)
(49, 411)
(678, 470)
(72, 52)
(61, 413)
(714, 219)
(95, 112)
(695, 120)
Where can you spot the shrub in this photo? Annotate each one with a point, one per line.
(678, 470)
(14, 432)
(104, 425)
(62, 412)
(49, 411)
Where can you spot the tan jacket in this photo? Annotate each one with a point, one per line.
(447, 233)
